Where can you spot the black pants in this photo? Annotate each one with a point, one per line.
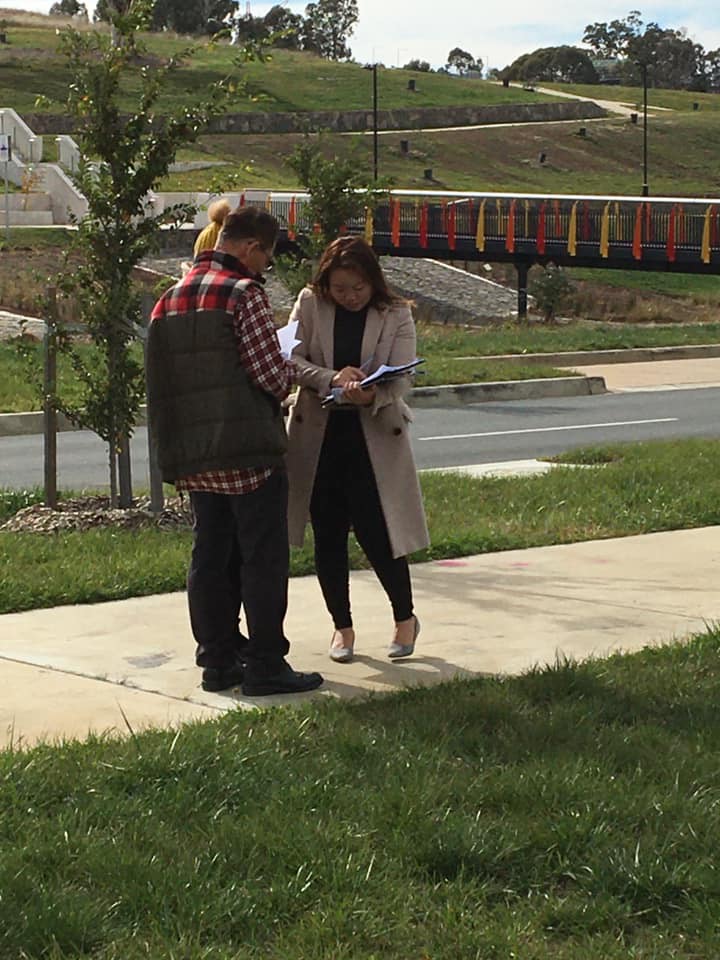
(345, 495)
(240, 554)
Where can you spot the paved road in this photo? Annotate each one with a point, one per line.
(478, 433)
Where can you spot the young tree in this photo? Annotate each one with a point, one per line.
(327, 26)
(123, 157)
(551, 289)
(338, 191)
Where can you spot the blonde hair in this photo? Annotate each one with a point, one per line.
(218, 210)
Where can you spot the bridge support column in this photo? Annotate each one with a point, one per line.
(523, 269)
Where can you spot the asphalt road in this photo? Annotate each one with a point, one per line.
(442, 437)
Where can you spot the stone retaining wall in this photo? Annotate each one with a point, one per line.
(347, 121)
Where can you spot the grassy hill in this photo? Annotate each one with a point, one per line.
(682, 157)
(30, 66)
(683, 142)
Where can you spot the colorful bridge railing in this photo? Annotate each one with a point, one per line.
(647, 233)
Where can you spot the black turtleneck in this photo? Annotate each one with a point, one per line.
(349, 330)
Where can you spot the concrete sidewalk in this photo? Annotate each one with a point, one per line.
(102, 667)
(681, 374)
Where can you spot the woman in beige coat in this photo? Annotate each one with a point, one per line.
(350, 464)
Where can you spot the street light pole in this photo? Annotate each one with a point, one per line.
(645, 188)
(375, 122)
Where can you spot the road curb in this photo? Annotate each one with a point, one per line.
(28, 424)
(462, 393)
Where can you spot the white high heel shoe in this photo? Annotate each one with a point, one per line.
(398, 650)
(341, 654)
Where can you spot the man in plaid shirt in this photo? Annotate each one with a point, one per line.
(216, 379)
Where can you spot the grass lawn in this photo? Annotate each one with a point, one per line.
(636, 488)
(568, 813)
(440, 346)
(291, 81)
(442, 342)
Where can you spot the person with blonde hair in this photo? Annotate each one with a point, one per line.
(208, 236)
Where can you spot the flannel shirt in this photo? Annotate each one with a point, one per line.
(212, 285)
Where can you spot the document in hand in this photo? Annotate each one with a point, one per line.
(384, 372)
(287, 340)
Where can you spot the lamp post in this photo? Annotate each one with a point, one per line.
(375, 122)
(645, 189)
(373, 67)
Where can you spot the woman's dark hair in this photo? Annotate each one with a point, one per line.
(353, 253)
(250, 223)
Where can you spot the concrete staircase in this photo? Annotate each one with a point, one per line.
(27, 210)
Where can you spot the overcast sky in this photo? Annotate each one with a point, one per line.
(395, 31)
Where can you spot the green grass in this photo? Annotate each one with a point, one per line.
(47, 238)
(647, 487)
(20, 388)
(681, 158)
(440, 342)
(439, 345)
(568, 813)
(696, 286)
(291, 81)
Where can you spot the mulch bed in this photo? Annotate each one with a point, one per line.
(94, 512)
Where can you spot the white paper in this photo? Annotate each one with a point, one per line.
(287, 339)
(387, 372)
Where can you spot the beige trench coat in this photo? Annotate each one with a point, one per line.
(389, 338)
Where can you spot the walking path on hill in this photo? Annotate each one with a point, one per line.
(612, 106)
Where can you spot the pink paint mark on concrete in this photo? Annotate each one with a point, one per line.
(521, 563)
(451, 563)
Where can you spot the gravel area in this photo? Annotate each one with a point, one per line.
(442, 293)
(448, 294)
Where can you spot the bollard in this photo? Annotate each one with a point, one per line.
(412, 84)
(582, 132)
(428, 173)
(633, 118)
(542, 157)
(404, 147)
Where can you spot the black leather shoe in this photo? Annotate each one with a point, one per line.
(222, 678)
(286, 680)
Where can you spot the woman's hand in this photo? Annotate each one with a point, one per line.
(347, 376)
(355, 394)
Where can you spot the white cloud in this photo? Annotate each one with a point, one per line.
(395, 31)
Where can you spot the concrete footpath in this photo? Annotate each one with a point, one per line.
(109, 666)
(104, 667)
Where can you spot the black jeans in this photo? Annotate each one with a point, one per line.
(240, 554)
(345, 495)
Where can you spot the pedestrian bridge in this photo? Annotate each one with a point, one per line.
(675, 234)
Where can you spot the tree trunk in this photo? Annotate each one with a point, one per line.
(124, 473)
